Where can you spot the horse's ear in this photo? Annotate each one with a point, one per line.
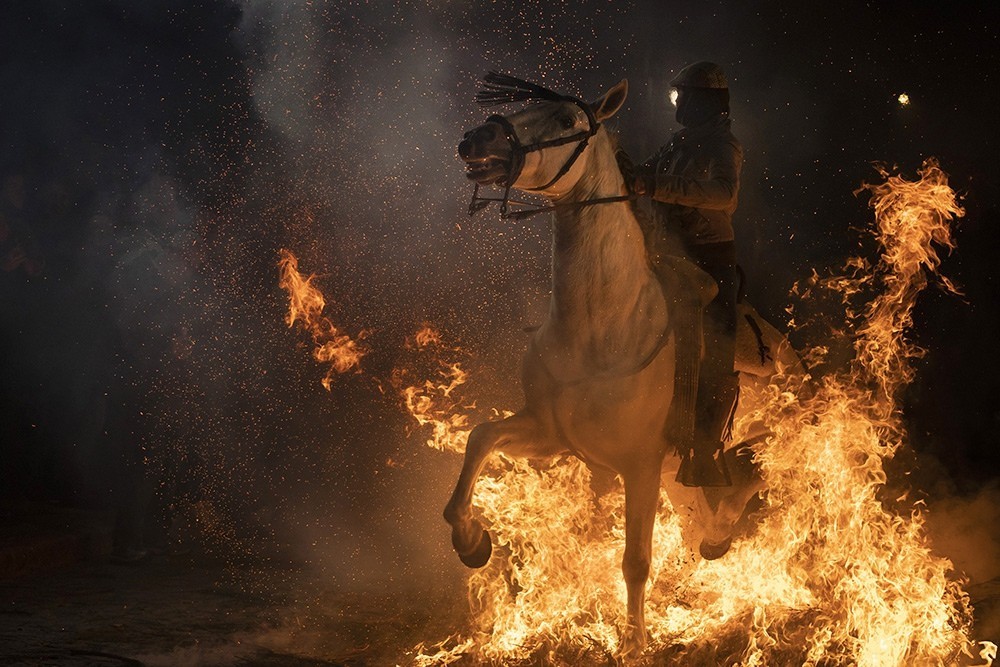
(609, 104)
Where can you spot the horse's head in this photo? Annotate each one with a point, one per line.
(541, 148)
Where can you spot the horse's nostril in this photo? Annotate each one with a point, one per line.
(465, 147)
(478, 140)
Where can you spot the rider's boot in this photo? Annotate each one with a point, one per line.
(702, 462)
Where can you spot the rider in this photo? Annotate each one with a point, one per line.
(693, 182)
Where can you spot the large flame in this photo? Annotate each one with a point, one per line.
(305, 305)
(829, 574)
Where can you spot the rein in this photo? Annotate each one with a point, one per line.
(501, 88)
(479, 203)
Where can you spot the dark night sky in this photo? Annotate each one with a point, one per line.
(157, 154)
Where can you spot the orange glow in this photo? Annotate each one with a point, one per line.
(305, 305)
(830, 574)
(833, 572)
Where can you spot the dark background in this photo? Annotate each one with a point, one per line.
(156, 155)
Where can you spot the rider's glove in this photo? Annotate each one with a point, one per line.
(644, 180)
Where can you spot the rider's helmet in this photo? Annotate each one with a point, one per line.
(702, 74)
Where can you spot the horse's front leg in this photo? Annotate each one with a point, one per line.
(518, 435)
(642, 494)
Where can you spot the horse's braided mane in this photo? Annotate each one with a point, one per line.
(504, 88)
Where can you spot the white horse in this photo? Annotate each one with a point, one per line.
(598, 376)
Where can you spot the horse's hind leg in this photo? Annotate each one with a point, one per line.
(721, 508)
(517, 436)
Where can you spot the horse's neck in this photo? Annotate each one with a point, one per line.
(601, 279)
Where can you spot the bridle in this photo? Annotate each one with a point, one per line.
(502, 88)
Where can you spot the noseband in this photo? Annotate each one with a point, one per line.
(502, 88)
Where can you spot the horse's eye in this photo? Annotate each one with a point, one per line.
(567, 122)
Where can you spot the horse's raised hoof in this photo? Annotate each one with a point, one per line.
(480, 555)
(712, 551)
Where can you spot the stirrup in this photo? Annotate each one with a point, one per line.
(704, 469)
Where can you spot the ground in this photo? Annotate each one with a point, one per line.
(65, 601)
(69, 604)
(170, 612)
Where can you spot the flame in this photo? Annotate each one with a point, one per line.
(305, 305)
(427, 336)
(434, 402)
(912, 220)
(831, 574)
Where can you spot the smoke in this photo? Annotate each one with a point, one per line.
(366, 111)
(222, 655)
(964, 528)
(166, 151)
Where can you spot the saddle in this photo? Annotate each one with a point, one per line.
(687, 290)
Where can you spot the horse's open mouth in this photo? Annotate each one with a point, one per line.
(487, 170)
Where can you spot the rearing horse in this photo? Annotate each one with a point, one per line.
(598, 376)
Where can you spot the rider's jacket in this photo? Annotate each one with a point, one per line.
(697, 179)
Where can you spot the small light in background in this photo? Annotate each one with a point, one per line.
(673, 96)
(903, 99)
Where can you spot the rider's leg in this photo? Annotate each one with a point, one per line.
(718, 383)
